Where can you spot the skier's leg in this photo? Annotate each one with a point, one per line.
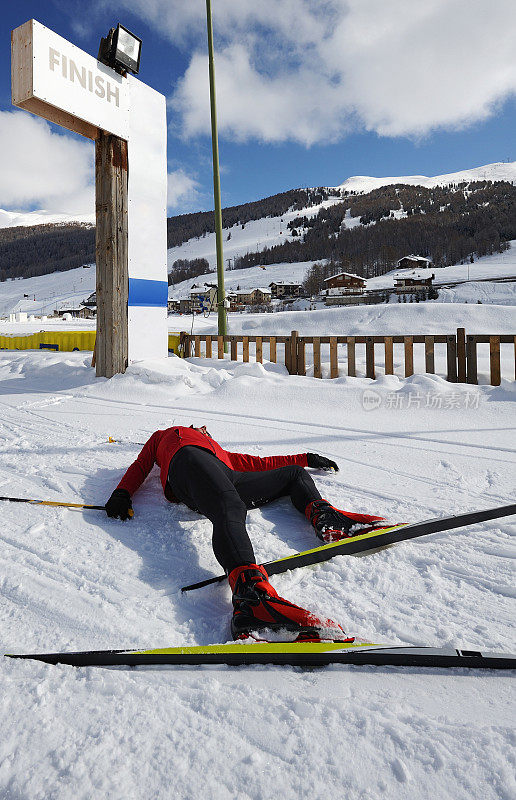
(203, 483)
(259, 488)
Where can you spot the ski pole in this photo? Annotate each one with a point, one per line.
(55, 503)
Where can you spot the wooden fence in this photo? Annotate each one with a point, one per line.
(460, 353)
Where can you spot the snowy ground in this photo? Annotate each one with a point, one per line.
(80, 580)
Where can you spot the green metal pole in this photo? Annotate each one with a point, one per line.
(216, 182)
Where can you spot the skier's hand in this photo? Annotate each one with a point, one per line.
(320, 462)
(119, 505)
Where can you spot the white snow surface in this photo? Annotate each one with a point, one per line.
(12, 219)
(500, 171)
(78, 580)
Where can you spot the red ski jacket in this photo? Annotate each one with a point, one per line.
(163, 445)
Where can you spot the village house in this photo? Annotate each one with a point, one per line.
(344, 283)
(413, 282)
(203, 299)
(173, 305)
(253, 297)
(411, 262)
(283, 289)
(80, 312)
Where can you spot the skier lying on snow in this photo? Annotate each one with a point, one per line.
(195, 470)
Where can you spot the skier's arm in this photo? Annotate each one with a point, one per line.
(243, 462)
(139, 469)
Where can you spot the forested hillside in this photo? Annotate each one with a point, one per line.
(41, 249)
(363, 232)
(447, 224)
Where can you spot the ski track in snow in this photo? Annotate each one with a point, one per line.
(78, 580)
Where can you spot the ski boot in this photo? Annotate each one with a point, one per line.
(332, 524)
(260, 613)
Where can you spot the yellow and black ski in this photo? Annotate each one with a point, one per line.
(298, 654)
(380, 537)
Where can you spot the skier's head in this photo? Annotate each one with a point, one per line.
(201, 430)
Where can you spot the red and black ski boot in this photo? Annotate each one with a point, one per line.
(332, 524)
(260, 612)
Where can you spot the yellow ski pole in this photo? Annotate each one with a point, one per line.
(55, 503)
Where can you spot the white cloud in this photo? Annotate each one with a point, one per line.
(182, 190)
(45, 169)
(311, 72)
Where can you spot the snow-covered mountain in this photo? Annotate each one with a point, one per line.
(14, 219)
(500, 171)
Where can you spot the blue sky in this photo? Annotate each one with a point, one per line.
(309, 93)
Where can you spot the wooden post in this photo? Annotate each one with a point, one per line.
(369, 357)
(515, 358)
(259, 349)
(220, 343)
(293, 352)
(112, 285)
(234, 348)
(245, 348)
(461, 355)
(350, 344)
(429, 355)
(272, 349)
(471, 360)
(334, 361)
(208, 346)
(494, 360)
(301, 361)
(197, 346)
(389, 357)
(451, 359)
(317, 357)
(408, 343)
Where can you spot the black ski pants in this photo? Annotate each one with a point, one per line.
(205, 484)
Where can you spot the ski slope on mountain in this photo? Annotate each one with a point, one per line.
(78, 580)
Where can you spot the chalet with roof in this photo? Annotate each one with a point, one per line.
(413, 282)
(280, 289)
(344, 283)
(414, 262)
(253, 297)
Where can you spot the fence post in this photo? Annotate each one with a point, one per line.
(408, 343)
(334, 361)
(389, 357)
(369, 349)
(234, 348)
(429, 355)
(259, 351)
(461, 355)
(350, 345)
(301, 362)
(471, 360)
(494, 360)
(317, 357)
(293, 352)
(451, 358)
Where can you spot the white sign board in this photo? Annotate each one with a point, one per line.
(56, 80)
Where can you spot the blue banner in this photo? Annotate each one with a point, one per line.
(151, 294)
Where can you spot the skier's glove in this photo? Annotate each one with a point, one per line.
(119, 505)
(320, 462)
